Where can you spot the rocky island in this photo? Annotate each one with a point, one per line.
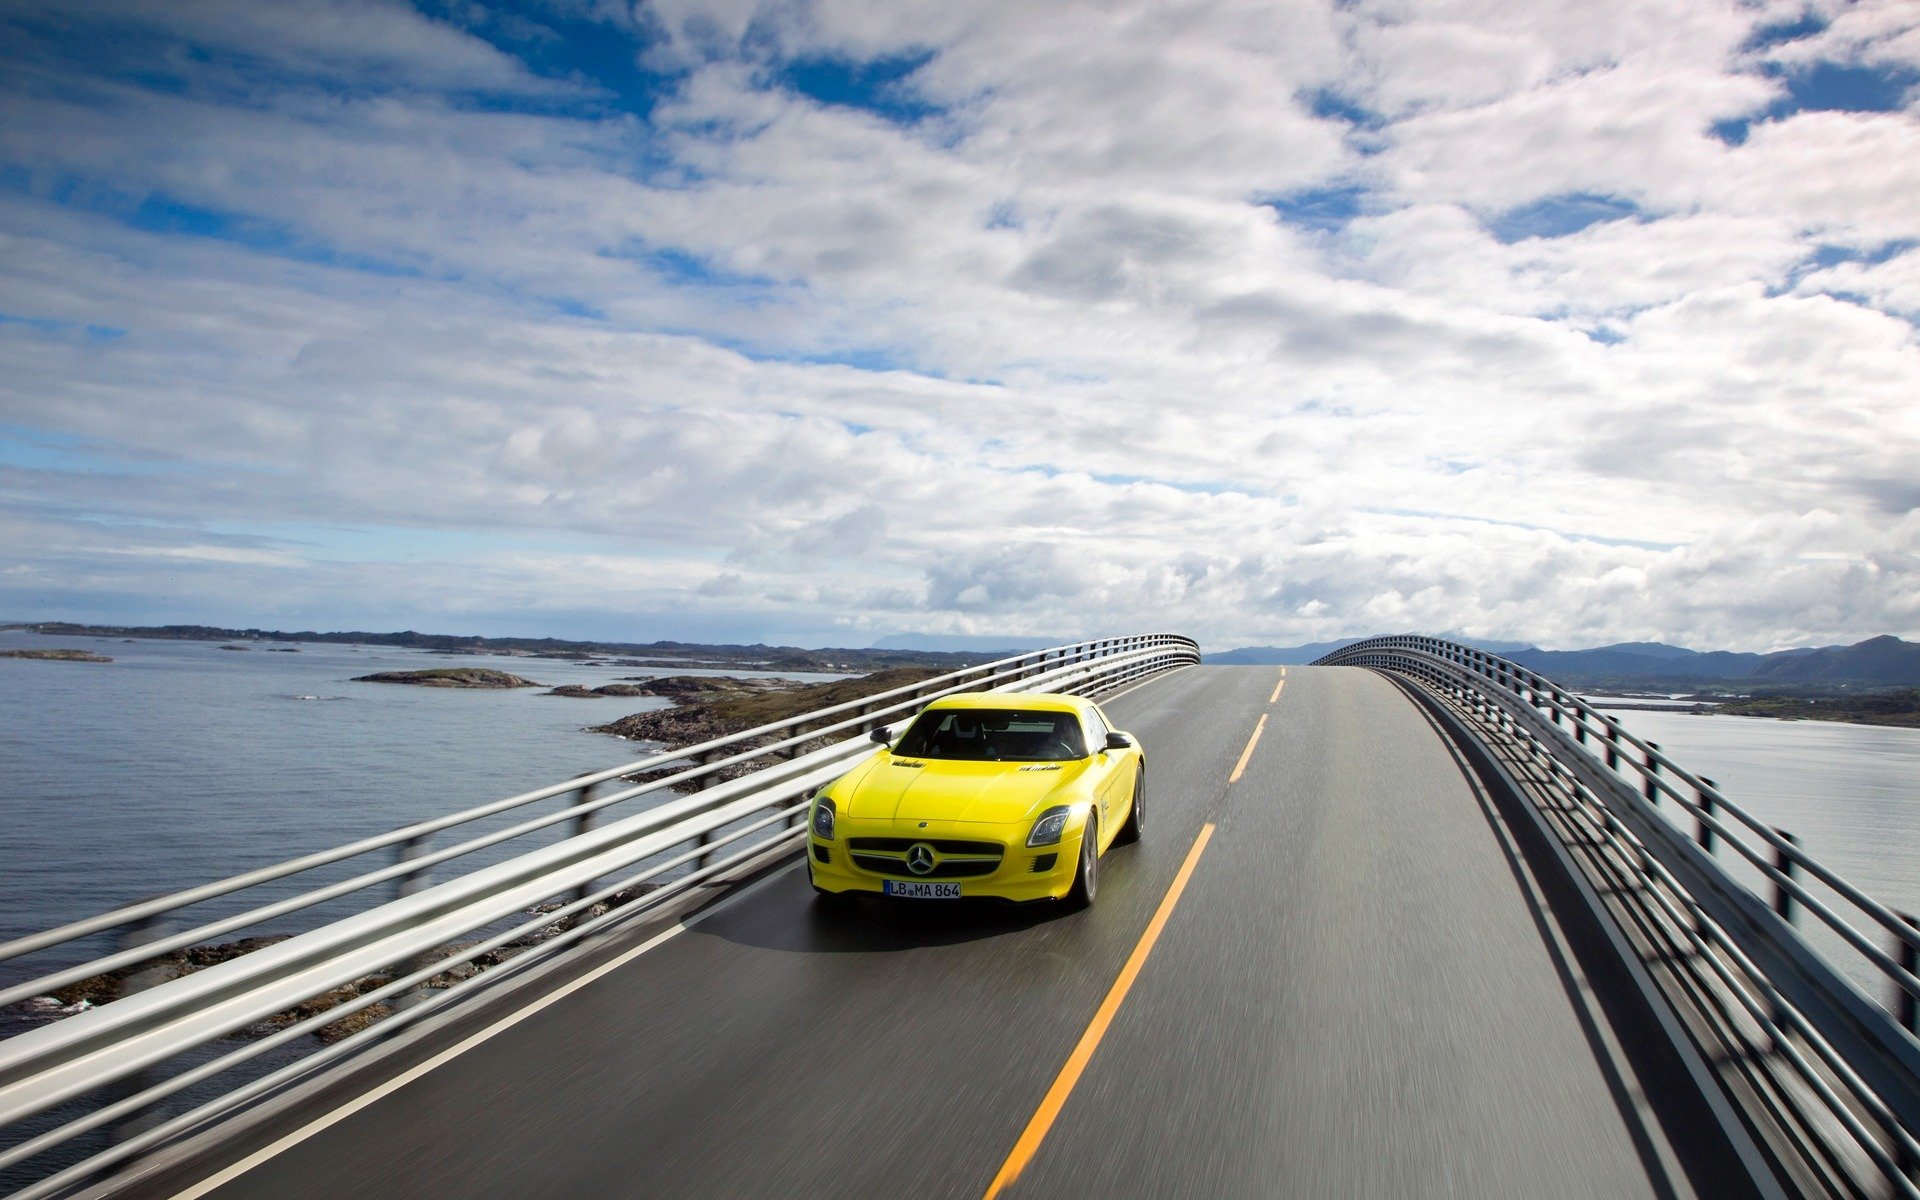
(580, 691)
(715, 706)
(450, 677)
(57, 655)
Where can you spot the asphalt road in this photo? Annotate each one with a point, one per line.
(1359, 993)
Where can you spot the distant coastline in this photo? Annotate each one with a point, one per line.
(837, 660)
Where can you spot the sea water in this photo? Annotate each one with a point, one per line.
(181, 762)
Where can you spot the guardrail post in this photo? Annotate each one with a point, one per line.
(583, 822)
(1613, 743)
(703, 782)
(1650, 788)
(1703, 832)
(146, 975)
(416, 879)
(698, 785)
(1783, 862)
(1906, 1004)
(406, 885)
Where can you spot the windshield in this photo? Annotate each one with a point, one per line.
(994, 735)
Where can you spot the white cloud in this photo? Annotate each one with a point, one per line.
(1041, 362)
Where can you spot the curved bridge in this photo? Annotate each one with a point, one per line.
(1432, 927)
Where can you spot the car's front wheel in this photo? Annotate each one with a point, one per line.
(1086, 880)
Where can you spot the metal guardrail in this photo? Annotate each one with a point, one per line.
(1828, 1075)
(85, 1093)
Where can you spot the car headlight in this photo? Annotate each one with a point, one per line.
(823, 813)
(1047, 830)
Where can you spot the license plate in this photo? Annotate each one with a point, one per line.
(920, 891)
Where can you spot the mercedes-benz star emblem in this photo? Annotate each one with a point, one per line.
(919, 858)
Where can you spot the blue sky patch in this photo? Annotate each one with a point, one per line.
(93, 333)
(1833, 256)
(1779, 33)
(1831, 87)
(860, 358)
(1328, 209)
(684, 269)
(1476, 519)
(159, 213)
(1330, 105)
(1826, 87)
(1559, 216)
(603, 54)
(879, 86)
(1178, 485)
(24, 447)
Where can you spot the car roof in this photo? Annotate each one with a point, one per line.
(1014, 701)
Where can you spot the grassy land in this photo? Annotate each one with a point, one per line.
(1900, 708)
(701, 721)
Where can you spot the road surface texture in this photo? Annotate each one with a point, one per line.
(1361, 992)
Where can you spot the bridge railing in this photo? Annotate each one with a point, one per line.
(83, 1093)
(1726, 901)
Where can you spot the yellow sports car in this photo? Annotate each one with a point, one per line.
(1009, 795)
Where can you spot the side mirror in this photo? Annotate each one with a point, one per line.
(882, 735)
(1118, 741)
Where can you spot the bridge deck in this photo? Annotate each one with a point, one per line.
(1361, 993)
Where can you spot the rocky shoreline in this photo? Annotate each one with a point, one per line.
(716, 707)
(450, 677)
(56, 655)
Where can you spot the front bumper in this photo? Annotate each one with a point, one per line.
(1014, 878)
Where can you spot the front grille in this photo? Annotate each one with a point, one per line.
(882, 864)
(940, 845)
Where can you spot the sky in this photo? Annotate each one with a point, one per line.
(816, 323)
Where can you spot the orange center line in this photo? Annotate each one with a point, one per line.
(1240, 767)
(1056, 1097)
(1276, 689)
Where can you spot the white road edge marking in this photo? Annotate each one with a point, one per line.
(234, 1171)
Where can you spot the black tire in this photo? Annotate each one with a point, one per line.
(1136, 819)
(1086, 880)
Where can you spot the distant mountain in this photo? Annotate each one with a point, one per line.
(1609, 661)
(1650, 649)
(1881, 660)
(954, 643)
(1878, 662)
(1263, 656)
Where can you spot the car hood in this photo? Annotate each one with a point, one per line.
(931, 789)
